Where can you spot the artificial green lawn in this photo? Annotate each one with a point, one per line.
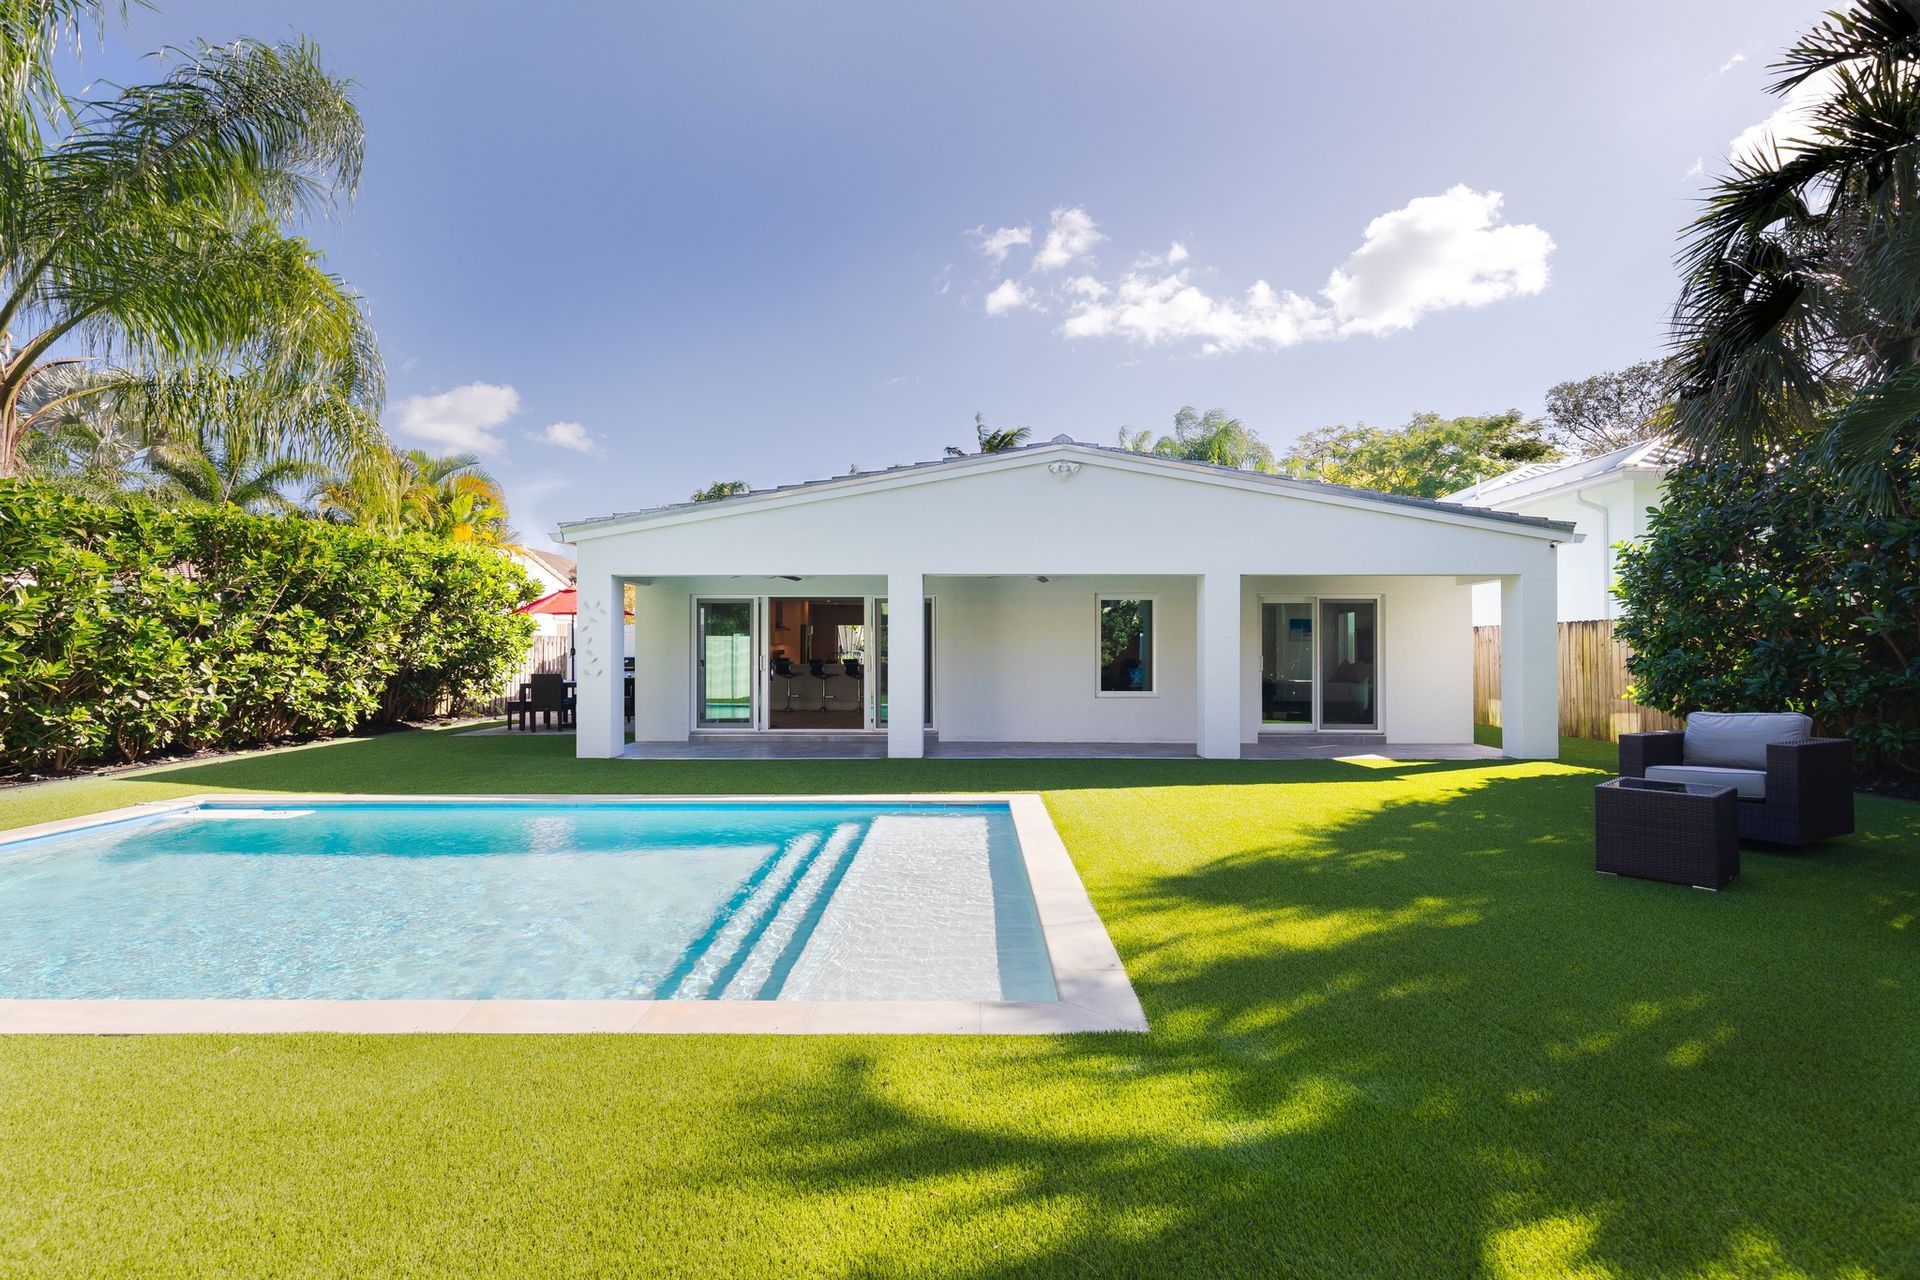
(1400, 1028)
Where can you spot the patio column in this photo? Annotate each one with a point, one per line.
(599, 641)
(1530, 666)
(906, 666)
(1218, 687)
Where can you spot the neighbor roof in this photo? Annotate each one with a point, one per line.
(560, 566)
(855, 480)
(1538, 479)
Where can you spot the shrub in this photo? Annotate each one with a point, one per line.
(126, 630)
(1768, 586)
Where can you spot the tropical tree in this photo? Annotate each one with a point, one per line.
(722, 489)
(1215, 437)
(1428, 457)
(82, 444)
(1609, 411)
(230, 465)
(452, 496)
(456, 497)
(154, 229)
(1799, 311)
(992, 439)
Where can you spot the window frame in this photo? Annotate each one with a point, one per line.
(1100, 600)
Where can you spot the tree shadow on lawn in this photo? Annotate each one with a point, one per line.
(1424, 1039)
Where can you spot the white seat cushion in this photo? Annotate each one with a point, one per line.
(1738, 739)
(1751, 784)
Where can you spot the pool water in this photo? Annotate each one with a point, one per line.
(686, 901)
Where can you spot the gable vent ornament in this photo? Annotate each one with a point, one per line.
(1063, 467)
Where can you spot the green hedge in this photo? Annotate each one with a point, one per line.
(1769, 586)
(126, 630)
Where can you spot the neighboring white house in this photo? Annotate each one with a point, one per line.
(550, 572)
(1605, 498)
(1071, 593)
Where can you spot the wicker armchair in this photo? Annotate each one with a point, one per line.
(1809, 785)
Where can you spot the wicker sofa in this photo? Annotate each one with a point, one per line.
(1793, 788)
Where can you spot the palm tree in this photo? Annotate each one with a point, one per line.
(451, 496)
(83, 443)
(1799, 311)
(1215, 437)
(990, 439)
(722, 489)
(375, 491)
(456, 497)
(154, 228)
(230, 465)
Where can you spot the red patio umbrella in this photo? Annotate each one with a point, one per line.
(564, 601)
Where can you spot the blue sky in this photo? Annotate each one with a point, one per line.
(760, 241)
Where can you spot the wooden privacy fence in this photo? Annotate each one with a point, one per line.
(1593, 683)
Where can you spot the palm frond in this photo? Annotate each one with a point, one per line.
(1872, 31)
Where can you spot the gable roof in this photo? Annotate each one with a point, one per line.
(560, 566)
(1538, 479)
(1062, 448)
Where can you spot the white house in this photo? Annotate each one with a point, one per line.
(1069, 594)
(550, 572)
(1604, 498)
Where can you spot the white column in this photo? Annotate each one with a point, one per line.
(1530, 665)
(599, 640)
(1218, 691)
(906, 666)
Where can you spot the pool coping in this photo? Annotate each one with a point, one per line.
(1094, 991)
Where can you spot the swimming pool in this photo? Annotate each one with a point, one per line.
(757, 901)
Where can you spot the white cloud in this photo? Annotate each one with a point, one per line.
(462, 419)
(998, 243)
(568, 435)
(1790, 124)
(1070, 233)
(1177, 254)
(1732, 62)
(1008, 296)
(1436, 253)
(1698, 167)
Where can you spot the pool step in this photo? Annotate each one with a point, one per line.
(723, 949)
(763, 967)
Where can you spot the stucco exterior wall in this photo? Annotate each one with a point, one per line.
(1015, 656)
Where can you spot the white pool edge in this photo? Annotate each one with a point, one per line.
(1094, 991)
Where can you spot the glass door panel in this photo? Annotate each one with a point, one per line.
(1349, 667)
(880, 664)
(723, 654)
(1286, 663)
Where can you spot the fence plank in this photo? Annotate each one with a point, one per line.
(1593, 683)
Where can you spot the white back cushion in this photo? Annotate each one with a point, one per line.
(1738, 739)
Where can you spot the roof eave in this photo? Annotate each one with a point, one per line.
(920, 473)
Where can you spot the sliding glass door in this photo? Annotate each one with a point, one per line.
(1349, 668)
(1286, 663)
(1319, 664)
(723, 690)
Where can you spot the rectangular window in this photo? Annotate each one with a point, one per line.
(1126, 646)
